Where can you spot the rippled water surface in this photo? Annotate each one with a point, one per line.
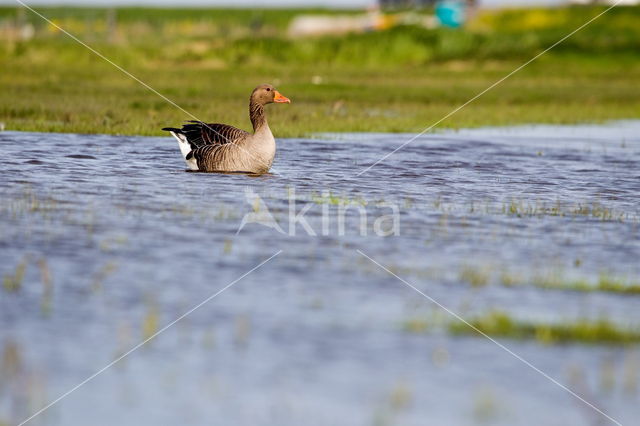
(106, 240)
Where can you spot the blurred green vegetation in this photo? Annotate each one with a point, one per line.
(399, 80)
(500, 324)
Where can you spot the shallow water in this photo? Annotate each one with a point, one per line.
(117, 241)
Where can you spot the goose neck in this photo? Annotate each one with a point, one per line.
(257, 116)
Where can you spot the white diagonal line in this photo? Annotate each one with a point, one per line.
(389, 154)
(133, 77)
(500, 345)
(139, 345)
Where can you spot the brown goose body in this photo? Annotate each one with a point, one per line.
(218, 147)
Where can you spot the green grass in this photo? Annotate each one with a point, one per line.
(399, 80)
(500, 324)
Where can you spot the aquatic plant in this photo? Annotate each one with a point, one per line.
(47, 286)
(521, 208)
(617, 285)
(328, 197)
(605, 283)
(485, 406)
(401, 396)
(477, 277)
(102, 274)
(416, 325)
(151, 320)
(501, 324)
(13, 282)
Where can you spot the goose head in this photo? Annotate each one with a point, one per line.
(266, 94)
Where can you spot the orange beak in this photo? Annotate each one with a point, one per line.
(280, 99)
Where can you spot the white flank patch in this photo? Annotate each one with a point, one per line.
(185, 149)
(192, 164)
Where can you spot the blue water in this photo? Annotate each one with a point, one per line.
(117, 241)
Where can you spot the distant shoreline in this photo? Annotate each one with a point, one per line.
(402, 79)
(242, 4)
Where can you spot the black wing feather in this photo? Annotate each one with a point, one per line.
(199, 134)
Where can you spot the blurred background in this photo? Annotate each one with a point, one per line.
(355, 65)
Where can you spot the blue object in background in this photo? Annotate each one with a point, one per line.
(450, 13)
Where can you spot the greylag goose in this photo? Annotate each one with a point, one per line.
(222, 148)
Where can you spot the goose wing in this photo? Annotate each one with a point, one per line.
(200, 134)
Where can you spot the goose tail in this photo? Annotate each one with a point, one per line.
(185, 147)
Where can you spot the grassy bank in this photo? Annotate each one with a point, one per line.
(399, 80)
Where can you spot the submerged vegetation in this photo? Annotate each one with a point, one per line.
(500, 324)
(399, 80)
(604, 283)
(594, 210)
(13, 282)
(484, 275)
